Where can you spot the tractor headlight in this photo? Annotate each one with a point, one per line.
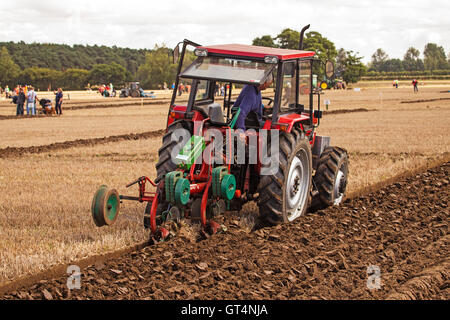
(271, 59)
(201, 52)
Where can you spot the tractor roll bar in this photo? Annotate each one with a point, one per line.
(185, 43)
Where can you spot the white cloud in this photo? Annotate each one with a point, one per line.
(361, 26)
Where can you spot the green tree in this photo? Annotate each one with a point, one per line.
(392, 65)
(340, 60)
(108, 73)
(434, 57)
(349, 66)
(379, 58)
(157, 68)
(8, 69)
(323, 47)
(288, 39)
(264, 41)
(40, 78)
(411, 60)
(74, 79)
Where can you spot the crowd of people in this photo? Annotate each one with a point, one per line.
(107, 90)
(183, 88)
(25, 97)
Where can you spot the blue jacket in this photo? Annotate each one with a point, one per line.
(249, 100)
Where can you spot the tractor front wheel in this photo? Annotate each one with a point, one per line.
(330, 178)
(285, 195)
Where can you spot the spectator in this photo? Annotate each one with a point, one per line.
(216, 89)
(415, 83)
(20, 101)
(7, 92)
(31, 101)
(58, 101)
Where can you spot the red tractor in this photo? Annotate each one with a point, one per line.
(199, 176)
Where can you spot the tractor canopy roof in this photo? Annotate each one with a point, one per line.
(238, 63)
(242, 50)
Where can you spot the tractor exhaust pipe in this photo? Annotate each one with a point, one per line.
(300, 46)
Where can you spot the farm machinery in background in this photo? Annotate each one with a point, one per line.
(193, 184)
(134, 90)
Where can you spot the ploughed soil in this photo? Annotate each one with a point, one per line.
(401, 229)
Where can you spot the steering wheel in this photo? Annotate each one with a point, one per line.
(268, 107)
(270, 100)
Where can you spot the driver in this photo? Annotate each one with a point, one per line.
(250, 100)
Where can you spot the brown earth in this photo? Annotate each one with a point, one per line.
(402, 229)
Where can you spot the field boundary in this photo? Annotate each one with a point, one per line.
(60, 270)
(18, 151)
(402, 175)
(9, 152)
(424, 100)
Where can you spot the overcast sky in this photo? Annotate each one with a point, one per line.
(361, 26)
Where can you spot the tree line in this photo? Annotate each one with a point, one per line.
(74, 67)
(434, 59)
(43, 78)
(62, 57)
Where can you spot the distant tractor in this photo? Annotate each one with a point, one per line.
(131, 89)
(199, 177)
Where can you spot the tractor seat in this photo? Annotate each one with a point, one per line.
(252, 122)
(212, 111)
(215, 113)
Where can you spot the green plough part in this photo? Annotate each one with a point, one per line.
(190, 152)
(169, 184)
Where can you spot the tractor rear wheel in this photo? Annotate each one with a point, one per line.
(284, 196)
(330, 178)
(165, 163)
(135, 94)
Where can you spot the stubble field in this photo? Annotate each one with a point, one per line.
(45, 193)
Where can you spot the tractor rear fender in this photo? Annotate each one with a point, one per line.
(179, 113)
(286, 122)
(176, 113)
